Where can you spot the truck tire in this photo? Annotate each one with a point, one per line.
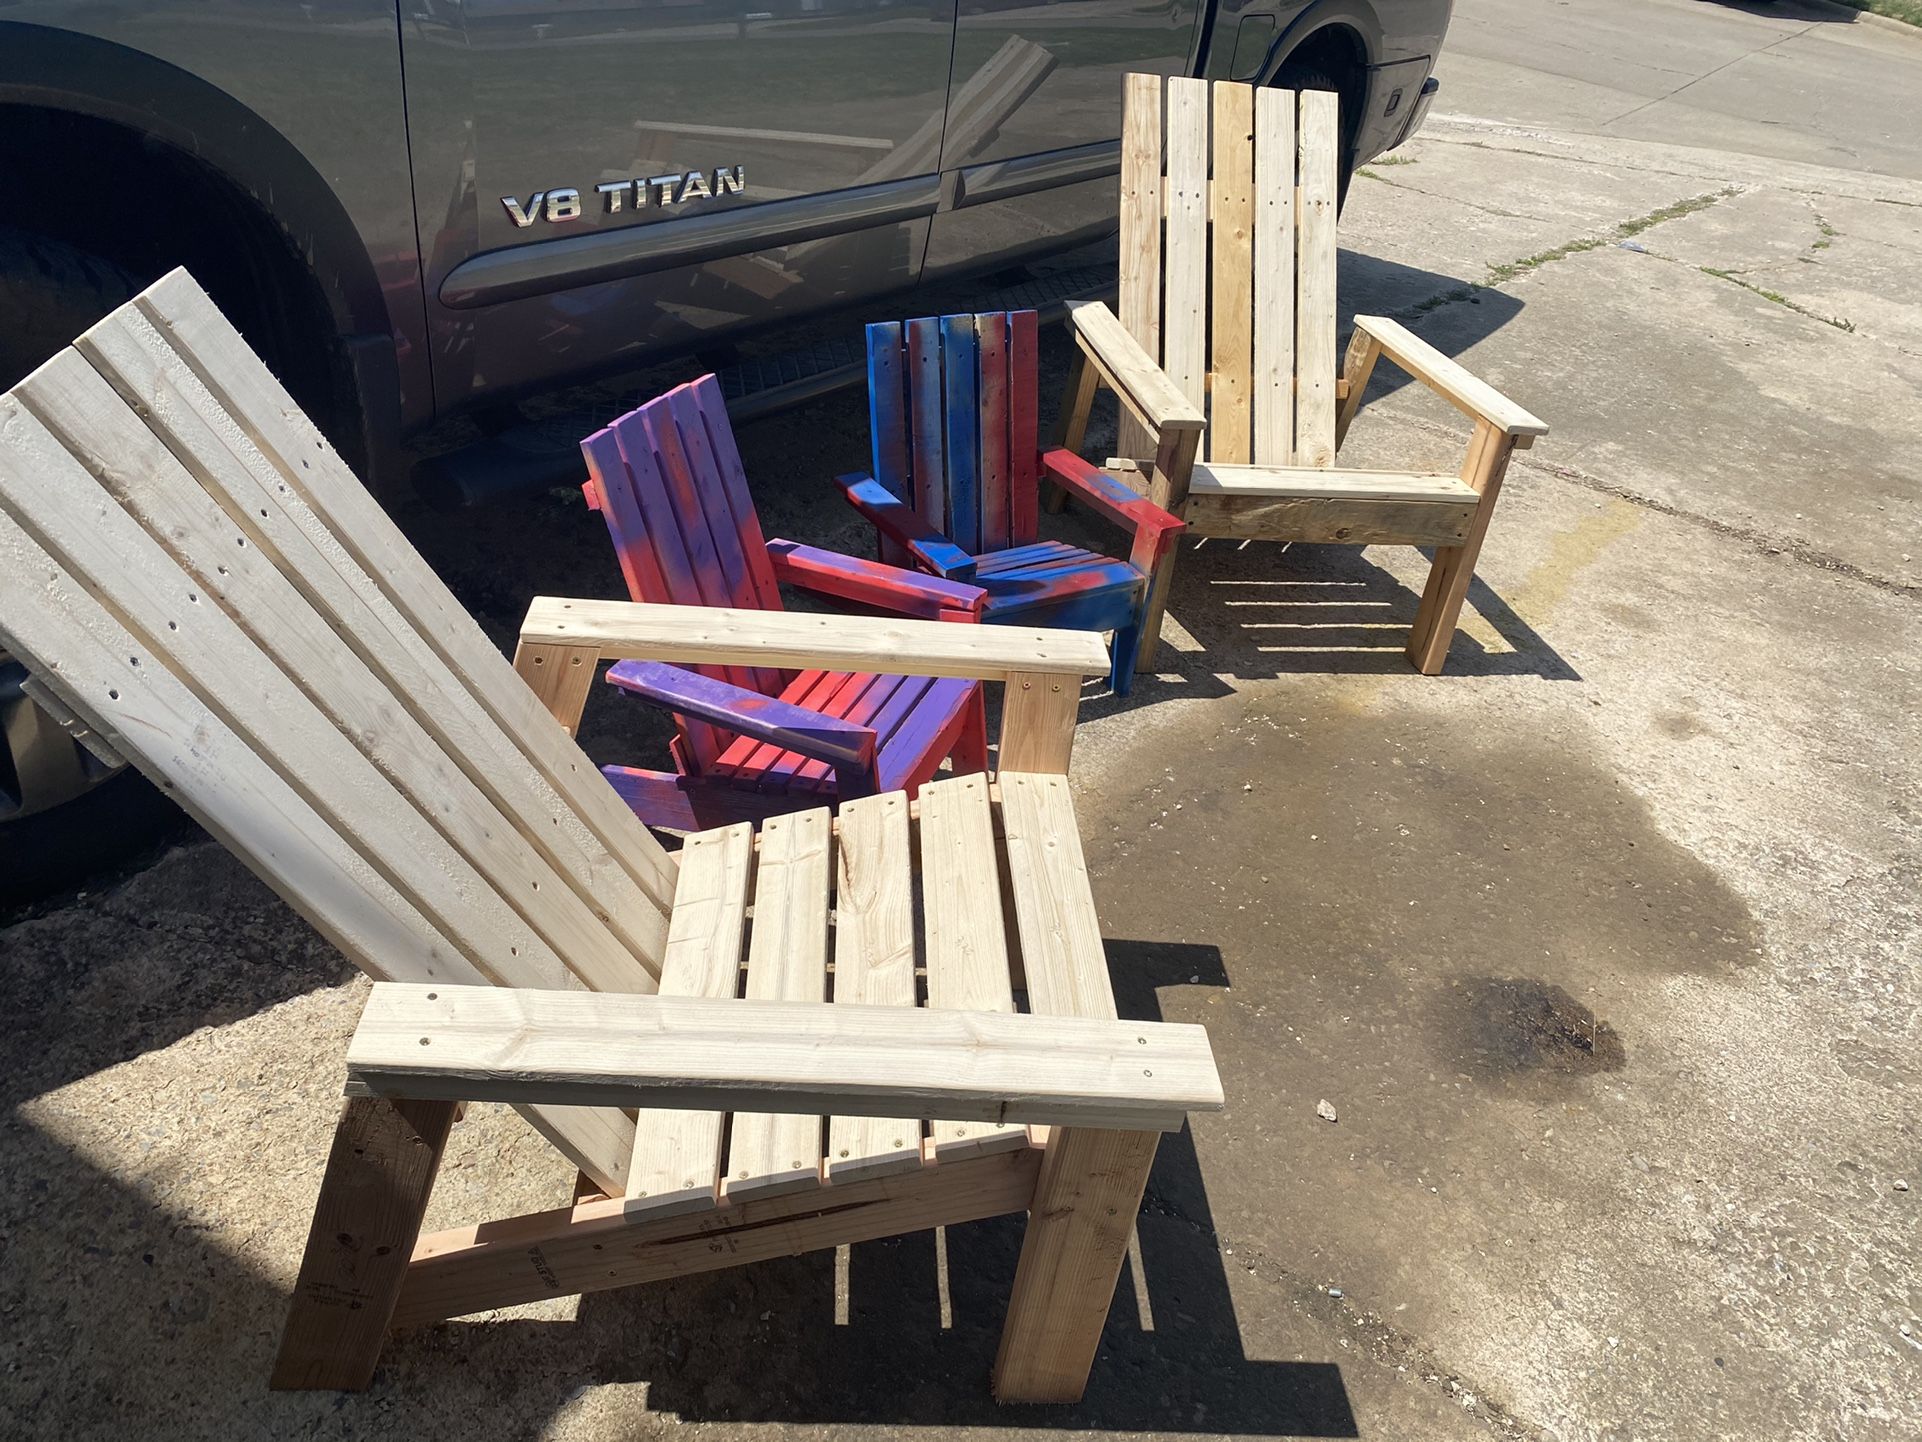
(62, 813)
(1316, 75)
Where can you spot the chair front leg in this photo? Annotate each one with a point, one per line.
(1085, 1201)
(1454, 566)
(380, 1173)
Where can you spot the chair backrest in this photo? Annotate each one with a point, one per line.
(190, 571)
(1228, 199)
(668, 480)
(951, 414)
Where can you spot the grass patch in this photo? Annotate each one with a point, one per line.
(1908, 11)
(1777, 298)
(1396, 160)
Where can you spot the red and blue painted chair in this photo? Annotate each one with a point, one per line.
(956, 483)
(756, 741)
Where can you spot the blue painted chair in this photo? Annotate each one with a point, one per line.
(955, 489)
(756, 741)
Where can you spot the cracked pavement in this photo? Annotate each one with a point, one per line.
(1602, 947)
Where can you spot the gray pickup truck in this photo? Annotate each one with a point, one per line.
(439, 207)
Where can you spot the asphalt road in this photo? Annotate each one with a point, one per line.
(1788, 80)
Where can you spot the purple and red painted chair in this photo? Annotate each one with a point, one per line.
(754, 741)
(956, 485)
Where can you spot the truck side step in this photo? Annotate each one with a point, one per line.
(545, 453)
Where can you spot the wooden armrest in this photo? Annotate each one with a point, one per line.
(574, 1048)
(693, 635)
(1142, 386)
(1103, 493)
(1447, 378)
(901, 523)
(873, 583)
(847, 746)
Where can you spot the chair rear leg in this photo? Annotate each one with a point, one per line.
(1083, 1213)
(1127, 650)
(379, 1175)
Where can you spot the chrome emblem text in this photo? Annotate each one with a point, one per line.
(619, 195)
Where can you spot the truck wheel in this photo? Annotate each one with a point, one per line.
(62, 813)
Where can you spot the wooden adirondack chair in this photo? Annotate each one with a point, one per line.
(957, 468)
(198, 584)
(754, 741)
(1228, 300)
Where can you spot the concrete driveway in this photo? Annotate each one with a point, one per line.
(1603, 947)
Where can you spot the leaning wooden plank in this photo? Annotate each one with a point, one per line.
(1232, 272)
(1061, 950)
(272, 508)
(92, 663)
(873, 966)
(1140, 243)
(629, 630)
(797, 1058)
(967, 953)
(186, 531)
(595, 1246)
(1320, 136)
(1274, 277)
(1184, 326)
(677, 1154)
(311, 469)
(779, 1149)
(1449, 378)
(46, 492)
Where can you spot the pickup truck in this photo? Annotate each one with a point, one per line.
(431, 208)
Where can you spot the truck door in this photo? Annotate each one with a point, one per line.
(598, 179)
(1034, 118)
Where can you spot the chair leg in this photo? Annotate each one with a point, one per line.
(1127, 651)
(379, 1175)
(1083, 1212)
(970, 750)
(1454, 566)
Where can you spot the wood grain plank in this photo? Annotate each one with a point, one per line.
(787, 958)
(1232, 273)
(677, 1153)
(927, 423)
(967, 953)
(991, 346)
(1024, 438)
(1139, 299)
(961, 403)
(873, 966)
(1320, 142)
(1184, 342)
(1274, 271)
(1061, 949)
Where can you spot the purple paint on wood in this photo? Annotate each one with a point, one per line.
(913, 752)
(689, 803)
(930, 493)
(770, 719)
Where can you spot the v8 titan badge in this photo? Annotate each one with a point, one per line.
(619, 195)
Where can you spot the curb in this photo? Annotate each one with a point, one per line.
(1914, 32)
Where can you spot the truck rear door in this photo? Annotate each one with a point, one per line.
(1034, 118)
(599, 178)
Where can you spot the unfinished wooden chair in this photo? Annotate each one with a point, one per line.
(755, 741)
(956, 483)
(196, 583)
(1227, 302)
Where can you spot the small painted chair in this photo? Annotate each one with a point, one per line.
(955, 489)
(757, 741)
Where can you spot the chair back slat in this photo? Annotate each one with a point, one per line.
(991, 416)
(1319, 130)
(1231, 332)
(192, 572)
(929, 496)
(1228, 198)
(1024, 440)
(960, 430)
(1138, 301)
(955, 396)
(670, 486)
(1274, 300)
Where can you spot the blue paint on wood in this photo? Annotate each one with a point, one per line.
(961, 415)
